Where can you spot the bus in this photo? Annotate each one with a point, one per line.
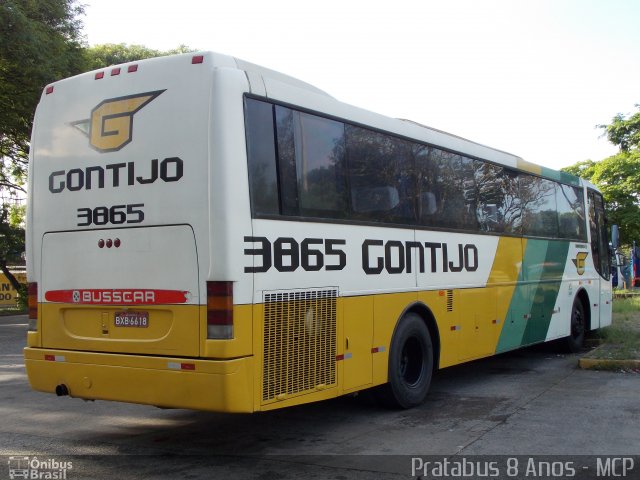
(206, 233)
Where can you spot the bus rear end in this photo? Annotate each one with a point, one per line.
(124, 300)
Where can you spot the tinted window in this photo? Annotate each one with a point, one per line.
(447, 190)
(287, 160)
(320, 166)
(497, 199)
(538, 197)
(304, 164)
(263, 179)
(381, 176)
(571, 218)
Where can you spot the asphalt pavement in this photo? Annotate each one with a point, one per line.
(532, 402)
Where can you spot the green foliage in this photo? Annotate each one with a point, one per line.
(624, 131)
(39, 43)
(11, 244)
(16, 215)
(100, 56)
(618, 176)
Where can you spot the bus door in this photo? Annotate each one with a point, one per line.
(599, 251)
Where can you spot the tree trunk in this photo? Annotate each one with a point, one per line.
(12, 279)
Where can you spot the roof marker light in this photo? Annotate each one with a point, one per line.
(99, 75)
(49, 89)
(197, 59)
(132, 68)
(115, 71)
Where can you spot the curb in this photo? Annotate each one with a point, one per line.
(587, 363)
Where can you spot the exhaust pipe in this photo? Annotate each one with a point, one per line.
(62, 390)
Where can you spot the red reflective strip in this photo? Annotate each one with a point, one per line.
(197, 59)
(188, 366)
(339, 357)
(115, 71)
(49, 90)
(116, 296)
(99, 75)
(132, 68)
(50, 358)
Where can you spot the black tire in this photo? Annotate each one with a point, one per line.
(575, 341)
(410, 364)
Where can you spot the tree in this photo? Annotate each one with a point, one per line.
(100, 56)
(40, 41)
(624, 131)
(11, 241)
(618, 176)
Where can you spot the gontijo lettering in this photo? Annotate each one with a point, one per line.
(287, 254)
(168, 170)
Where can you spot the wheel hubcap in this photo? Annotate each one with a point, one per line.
(411, 361)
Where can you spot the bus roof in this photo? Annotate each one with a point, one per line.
(328, 104)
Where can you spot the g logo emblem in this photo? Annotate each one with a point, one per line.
(580, 262)
(111, 124)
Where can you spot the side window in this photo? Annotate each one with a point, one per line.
(311, 164)
(539, 215)
(498, 203)
(381, 176)
(320, 166)
(571, 219)
(447, 195)
(286, 145)
(261, 153)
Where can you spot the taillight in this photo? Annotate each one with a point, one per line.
(220, 310)
(32, 300)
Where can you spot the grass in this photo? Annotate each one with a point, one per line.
(621, 340)
(11, 311)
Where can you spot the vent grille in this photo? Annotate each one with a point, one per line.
(299, 342)
(449, 300)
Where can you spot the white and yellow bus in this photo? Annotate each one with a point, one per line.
(206, 233)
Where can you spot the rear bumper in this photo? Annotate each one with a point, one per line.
(215, 385)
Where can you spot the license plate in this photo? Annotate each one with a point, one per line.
(132, 319)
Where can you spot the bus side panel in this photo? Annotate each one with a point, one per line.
(357, 323)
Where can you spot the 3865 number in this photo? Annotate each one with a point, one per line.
(116, 215)
(287, 255)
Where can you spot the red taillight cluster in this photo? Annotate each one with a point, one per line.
(32, 301)
(220, 310)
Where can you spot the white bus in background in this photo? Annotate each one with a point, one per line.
(206, 233)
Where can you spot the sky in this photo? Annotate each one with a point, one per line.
(531, 77)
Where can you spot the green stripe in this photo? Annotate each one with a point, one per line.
(558, 176)
(546, 292)
(535, 295)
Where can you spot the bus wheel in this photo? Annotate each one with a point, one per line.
(410, 364)
(575, 341)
